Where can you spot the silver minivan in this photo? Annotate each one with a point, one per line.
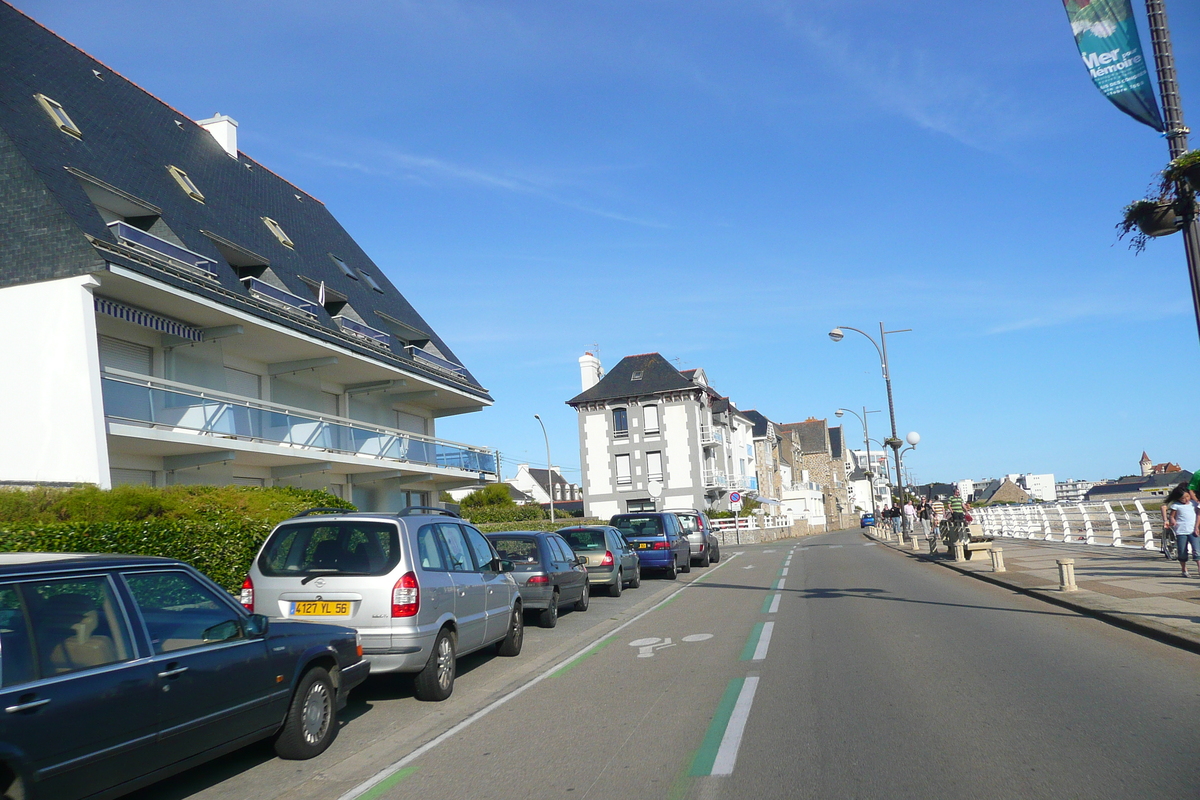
(421, 587)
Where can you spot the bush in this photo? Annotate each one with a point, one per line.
(543, 525)
(502, 513)
(217, 529)
(492, 495)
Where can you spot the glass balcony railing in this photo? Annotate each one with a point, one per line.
(426, 357)
(158, 405)
(161, 248)
(280, 297)
(362, 330)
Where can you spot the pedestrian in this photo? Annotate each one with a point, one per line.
(956, 514)
(1182, 521)
(910, 516)
(925, 513)
(894, 515)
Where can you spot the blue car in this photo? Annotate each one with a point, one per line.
(868, 520)
(659, 540)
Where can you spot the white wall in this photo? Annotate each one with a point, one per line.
(678, 451)
(51, 413)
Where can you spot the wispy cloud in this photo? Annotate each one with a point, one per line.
(388, 162)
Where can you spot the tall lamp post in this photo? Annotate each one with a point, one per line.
(881, 348)
(866, 444)
(913, 438)
(549, 467)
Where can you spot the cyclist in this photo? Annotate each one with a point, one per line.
(956, 513)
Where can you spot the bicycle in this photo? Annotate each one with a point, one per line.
(954, 530)
(1170, 546)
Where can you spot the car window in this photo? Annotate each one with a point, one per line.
(584, 539)
(428, 550)
(480, 548)
(634, 526)
(330, 547)
(180, 612)
(456, 547)
(689, 522)
(518, 549)
(75, 624)
(16, 646)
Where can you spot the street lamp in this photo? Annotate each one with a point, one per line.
(912, 438)
(837, 335)
(867, 444)
(549, 466)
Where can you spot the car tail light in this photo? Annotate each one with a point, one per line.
(663, 545)
(406, 596)
(537, 579)
(247, 598)
(358, 643)
(607, 561)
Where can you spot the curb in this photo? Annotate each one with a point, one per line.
(1151, 629)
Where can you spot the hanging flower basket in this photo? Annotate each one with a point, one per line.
(1151, 218)
(1184, 168)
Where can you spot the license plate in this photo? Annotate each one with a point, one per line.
(643, 545)
(321, 608)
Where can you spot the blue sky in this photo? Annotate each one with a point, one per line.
(723, 182)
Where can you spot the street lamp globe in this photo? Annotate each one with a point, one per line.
(912, 438)
(839, 413)
(836, 334)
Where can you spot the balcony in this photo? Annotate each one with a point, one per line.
(363, 331)
(714, 479)
(710, 436)
(161, 250)
(425, 357)
(281, 298)
(169, 406)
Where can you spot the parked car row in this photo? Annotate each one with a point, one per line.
(331, 596)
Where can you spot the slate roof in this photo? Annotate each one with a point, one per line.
(810, 435)
(129, 137)
(759, 421)
(657, 376)
(1135, 483)
(540, 477)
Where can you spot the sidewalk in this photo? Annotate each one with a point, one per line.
(1135, 589)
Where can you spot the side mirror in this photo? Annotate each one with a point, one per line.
(579, 562)
(504, 565)
(257, 625)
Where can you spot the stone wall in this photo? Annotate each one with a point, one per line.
(758, 536)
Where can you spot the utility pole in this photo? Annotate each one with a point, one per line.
(1177, 139)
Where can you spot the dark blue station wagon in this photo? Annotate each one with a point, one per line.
(116, 671)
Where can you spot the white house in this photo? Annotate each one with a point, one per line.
(537, 484)
(171, 311)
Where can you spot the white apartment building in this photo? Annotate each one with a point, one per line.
(652, 437)
(174, 312)
(1039, 487)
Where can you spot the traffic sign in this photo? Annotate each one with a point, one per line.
(735, 497)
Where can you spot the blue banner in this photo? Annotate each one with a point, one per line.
(1107, 36)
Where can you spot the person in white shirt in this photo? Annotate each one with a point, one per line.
(1183, 521)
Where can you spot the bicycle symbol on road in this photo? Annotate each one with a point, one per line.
(647, 646)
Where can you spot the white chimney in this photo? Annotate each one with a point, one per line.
(224, 130)
(589, 370)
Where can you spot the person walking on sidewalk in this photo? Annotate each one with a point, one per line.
(910, 517)
(1182, 519)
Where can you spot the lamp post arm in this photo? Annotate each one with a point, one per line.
(549, 466)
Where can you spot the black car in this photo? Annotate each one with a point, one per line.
(117, 671)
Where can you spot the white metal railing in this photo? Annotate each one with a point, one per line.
(752, 522)
(1108, 524)
(713, 478)
(711, 435)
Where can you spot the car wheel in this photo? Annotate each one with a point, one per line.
(672, 571)
(716, 553)
(585, 599)
(637, 576)
(510, 645)
(687, 564)
(615, 589)
(436, 680)
(549, 617)
(706, 559)
(311, 721)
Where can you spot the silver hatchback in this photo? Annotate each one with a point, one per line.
(421, 587)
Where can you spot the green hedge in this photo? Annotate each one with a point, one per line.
(502, 513)
(217, 529)
(544, 525)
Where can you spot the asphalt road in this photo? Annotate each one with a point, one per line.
(826, 667)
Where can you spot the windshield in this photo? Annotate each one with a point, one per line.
(519, 550)
(690, 522)
(633, 526)
(348, 547)
(584, 539)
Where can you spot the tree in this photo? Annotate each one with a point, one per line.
(492, 495)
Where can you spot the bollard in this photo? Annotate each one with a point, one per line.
(959, 552)
(916, 547)
(1066, 574)
(998, 559)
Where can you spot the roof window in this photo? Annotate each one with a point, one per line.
(274, 227)
(344, 267)
(371, 281)
(637, 375)
(59, 115)
(185, 183)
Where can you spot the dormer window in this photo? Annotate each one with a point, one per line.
(274, 228)
(344, 267)
(637, 375)
(185, 183)
(371, 281)
(59, 115)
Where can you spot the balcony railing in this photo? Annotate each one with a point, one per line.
(711, 436)
(714, 478)
(422, 355)
(281, 298)
(166, 405)
(161, 249)
(362, 331)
